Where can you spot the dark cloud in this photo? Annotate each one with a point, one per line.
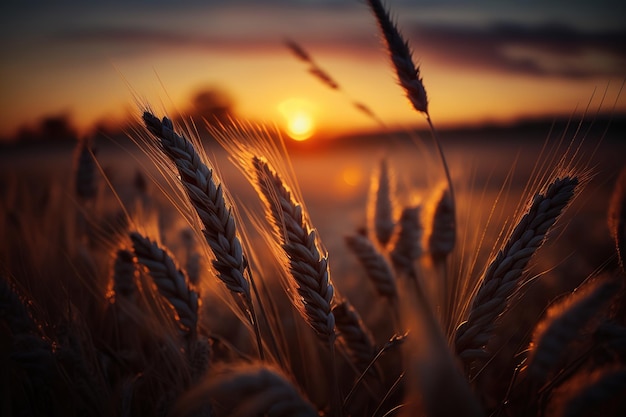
(491, 46)
(539, 50)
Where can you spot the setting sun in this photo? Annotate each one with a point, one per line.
(298, 115)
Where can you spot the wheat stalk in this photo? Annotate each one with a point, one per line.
(170, 281)
(504, 273)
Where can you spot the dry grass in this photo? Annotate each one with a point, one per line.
(98, 319)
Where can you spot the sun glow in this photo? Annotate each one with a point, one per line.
(299, 122)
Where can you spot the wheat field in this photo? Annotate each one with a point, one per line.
(164, 280)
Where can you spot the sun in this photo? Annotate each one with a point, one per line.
(298, 115)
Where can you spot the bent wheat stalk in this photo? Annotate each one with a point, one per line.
(504, 273)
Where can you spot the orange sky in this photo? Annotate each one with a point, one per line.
(92, 71)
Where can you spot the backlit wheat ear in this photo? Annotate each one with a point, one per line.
(504, 273)
(383, 205)
(375, 265)
(207, 198)
(443, 235)
(563, 324)
(314, 69)
(408, 246)
(307, 266)
(617, 218)
(246, 390)
(401, 58)
(356, 337)
(170, 281)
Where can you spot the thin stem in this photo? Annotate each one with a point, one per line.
(336, 394)
(391, 343)
(389, 392)
(435, 136)
(255, 291)
(257, 330)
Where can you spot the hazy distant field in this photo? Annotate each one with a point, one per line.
(335, 180)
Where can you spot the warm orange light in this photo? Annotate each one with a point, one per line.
(352, 176)
(298, 117)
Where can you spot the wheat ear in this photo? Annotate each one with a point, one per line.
(356, 337)
(401, 58)
(383, 206)
(563, 324)
(170, 281)
(308, 267)
(408, 247)
(408, 76)
(375, 265)
(503, 275)
(443, 235)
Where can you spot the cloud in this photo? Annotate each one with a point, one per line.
(544, 50)
(555, 49)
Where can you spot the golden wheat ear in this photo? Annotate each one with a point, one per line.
(504, 273)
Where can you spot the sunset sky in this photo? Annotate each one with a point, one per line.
(482, 61)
